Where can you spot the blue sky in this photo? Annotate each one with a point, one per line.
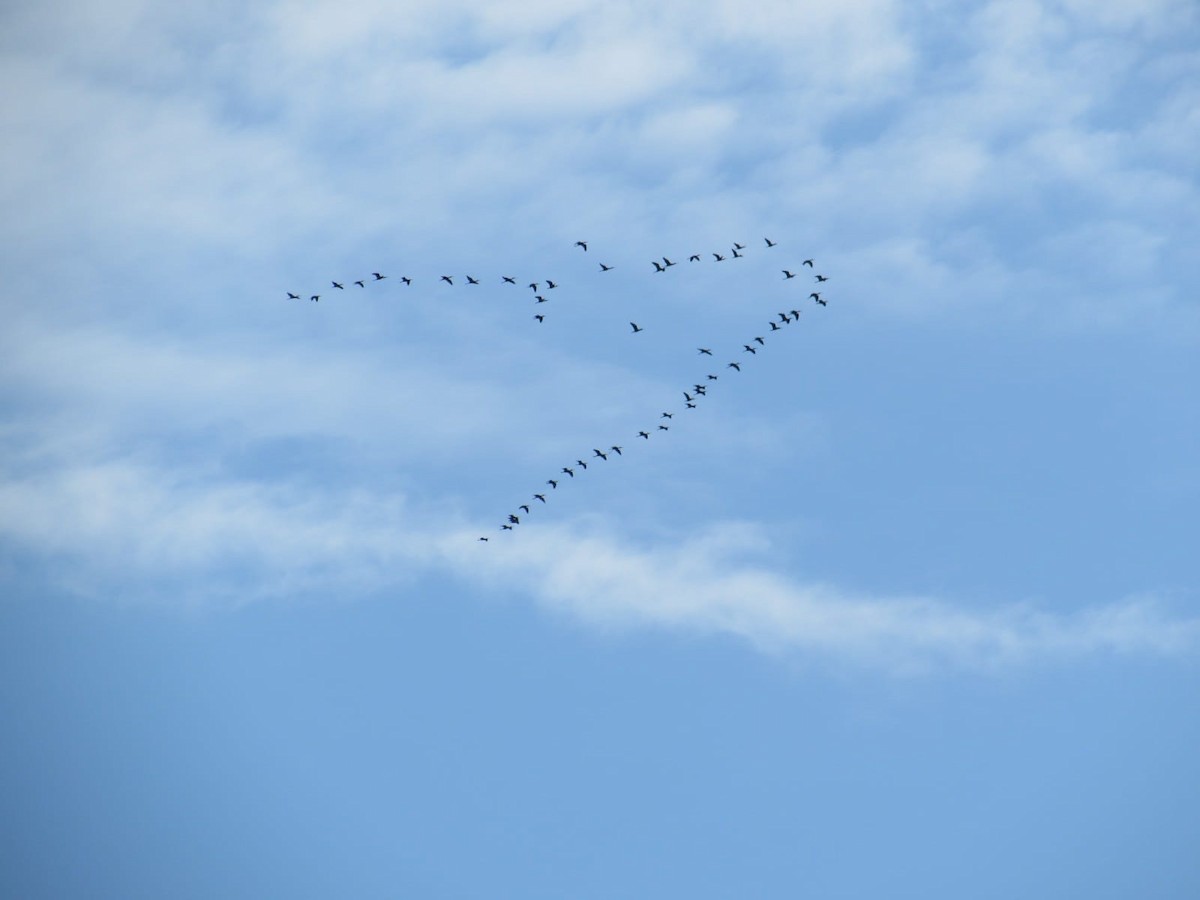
(907, 607)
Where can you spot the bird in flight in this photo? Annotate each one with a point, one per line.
(407, 281)
(712, 377)
(761, 342)
(600, 454)
(737, 255)
(667, 262)
(657, 266)
(550, 285)
(695, 257)
(378, 277)
(541, 497)
(568, 471)
(471, 280)
(807, 262)
(821, 277)
(666, 415)
(340, 287)
(734, 366)
(509, 279)
(796, 314)
(514, 519)
(644, 434)
(705, 351)
(553, 484)
(748, 349)
(447, 279)
(292, 296)
(483, 539)
(360, 284)
(615, 449)
(719, 257)
(688, 397)
(816, 296)
(533, 285)
(663, 428)
(581, 463)
(737, 246)
(315, 298)
(787, 274)
(636, 327)
(582, 244)
(524, 506)
(770, 243)
(774, 326)
(604, 268)
(506, 528)
(540, 299)
(540, 318)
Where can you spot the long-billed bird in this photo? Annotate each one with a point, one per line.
(550, 285)
(737, 255)
(748, 349)
(514, 519)
(719, 257)
(663, 428)
(644, 434)
(770, 243)
(509, 279)
(448, 279)
(737, 246)
(821, 278)
(471, 280)
(705, 351)
(604, 268)
(761, 342)
(774, 326)
(600, 454)
(292, 296)
(636, 327)
(581, 463)
(524, 506)
(340, 287)
(506, 528)
(378, 277)
(667, 262)
(540, 299)
(657, 265)
(667, 415)
(567, 471)
(787, 274)
(533, 285)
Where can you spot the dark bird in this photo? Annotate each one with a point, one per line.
(580, 462)
(787, 274)
(407, 281)
(796, 314)
(815, 296)
(567, 471)
(636, 327)
(615, 449)
(604, 268)
(292, 296)
(734, 366)
(821, 278)
(533, 286)
(737, 255)
(600, 454)
(737, 246)
(784, 318)
(582, 244)
(770, 243)
(695, 257)
(315, 298)
(509, 279)
(550, 285)
(540, 318)
(506, 528)
(663, 428)
(807, 262)
(719, 257)
(514, 519)
(667, 262)
(447, 279)
(644, 434)
(691, 406)
(688, 397)
(340, 287)
(712, 377)
(700, 389)
(471, 280)
(378, 277)
(483, 539)
(705, 351)
(822, 302)
(657, 266)
(774, 326)
(524, 507)
(748, 349)
(540, 299)
(541, 497)
(666, 415)
(360, 284)
(553, 484)
(761, 342)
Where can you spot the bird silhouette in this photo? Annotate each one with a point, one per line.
(582, 244)
(567, 471)
(340, 287)
(796, 314)
(553, 484)
(514, 519)
(807, 262)
(540, 299)
(657, 266)
(666, 415)
(448, 279)
(737, 255)
(580, 462)
(540, 318)
(407, 281)
(761, 342)
(471, 280)
(695, 257)
(378, 277)
(541, 497)
(636, 327)
(667, 262)
(600, 454)
(616, 449)
(360, 284)
(734, 366)
(775, 326)
(787, 274)
(292, 296)
(644, 434)
(705, 351)
(533, 285)
(663, 428)
(770, 243)
(688, 397)
(719, 257)
(315, 298)
(524, 507)
(821, 278)
(748, 349)
(506, 528)
(604, 268)
(712, 377)
(483, 539)
(509, 279)
(737, 246)
(550, 285)
(822, 302)
(784, 318)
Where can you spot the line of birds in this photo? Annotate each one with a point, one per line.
(540, 297)
(691, 399)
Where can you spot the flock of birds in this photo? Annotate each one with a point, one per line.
(691, 396)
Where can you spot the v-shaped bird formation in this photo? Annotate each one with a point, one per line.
(692, 395)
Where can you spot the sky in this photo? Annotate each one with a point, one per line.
(905, 607)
